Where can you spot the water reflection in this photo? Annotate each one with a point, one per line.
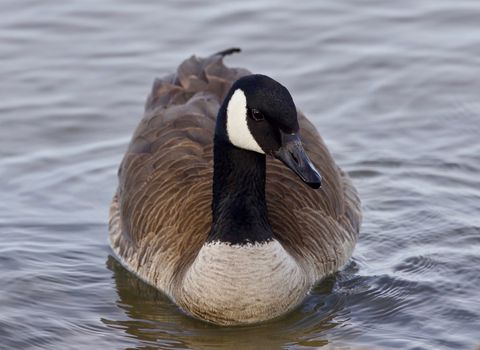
(156, 321)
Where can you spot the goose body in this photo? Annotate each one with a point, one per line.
(252, 248)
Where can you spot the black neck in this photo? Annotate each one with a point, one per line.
(239, 207)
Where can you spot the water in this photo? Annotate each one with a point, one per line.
(393, 88)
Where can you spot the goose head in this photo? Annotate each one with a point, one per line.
(260, 116)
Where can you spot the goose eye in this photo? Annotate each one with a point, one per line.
(256, 115)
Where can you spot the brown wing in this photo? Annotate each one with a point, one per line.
(161, 214)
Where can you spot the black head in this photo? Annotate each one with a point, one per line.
(260, 116)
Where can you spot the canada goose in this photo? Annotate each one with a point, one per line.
(252, 248)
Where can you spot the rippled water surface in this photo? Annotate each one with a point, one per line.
(393, 87)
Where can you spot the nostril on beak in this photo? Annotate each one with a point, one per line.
(294, 157)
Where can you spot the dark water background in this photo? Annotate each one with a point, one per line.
(394, 88)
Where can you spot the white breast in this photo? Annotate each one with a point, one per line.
(243, 283)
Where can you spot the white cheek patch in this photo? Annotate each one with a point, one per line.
(237, 127)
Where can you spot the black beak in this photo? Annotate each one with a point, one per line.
(292, 154)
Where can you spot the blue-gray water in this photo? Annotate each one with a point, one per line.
(393, 87)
